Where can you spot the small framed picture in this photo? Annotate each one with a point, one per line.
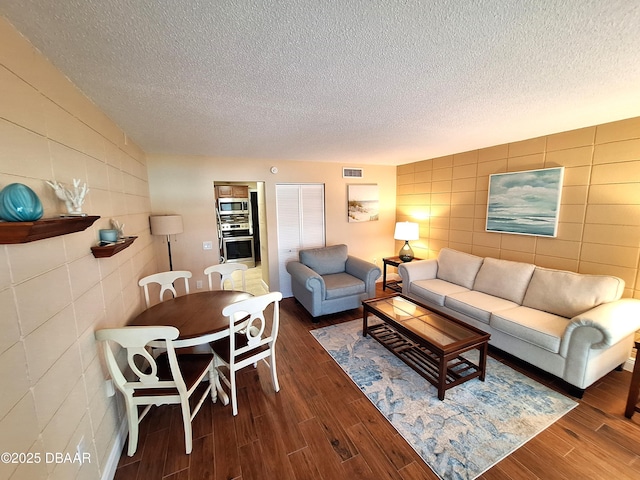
(363, 202)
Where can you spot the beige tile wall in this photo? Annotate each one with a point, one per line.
(599, 227)
(53, 292)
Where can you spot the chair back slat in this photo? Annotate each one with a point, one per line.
(255, 325)
(139, 361)
(150, 376)
(226, 270)
(166, 281)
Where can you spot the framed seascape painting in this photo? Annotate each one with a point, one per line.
(363, 204)
(525, 203)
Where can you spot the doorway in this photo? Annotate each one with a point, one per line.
(253, 226)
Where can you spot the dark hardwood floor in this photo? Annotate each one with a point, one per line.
(320, 426)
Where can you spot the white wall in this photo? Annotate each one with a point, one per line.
(184, 185)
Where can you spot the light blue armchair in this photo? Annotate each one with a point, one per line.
(329, 280)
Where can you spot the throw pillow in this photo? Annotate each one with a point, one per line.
(570, 294)
(458, 267)
(504, 279)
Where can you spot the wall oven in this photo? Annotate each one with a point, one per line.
(233, 206)
(238, 250)
(237, 243)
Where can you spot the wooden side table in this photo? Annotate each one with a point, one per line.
(395, 285)
(634, 389)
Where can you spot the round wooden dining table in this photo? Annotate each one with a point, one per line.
(198, 316)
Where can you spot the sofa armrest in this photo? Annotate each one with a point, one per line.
(362, 269)
(614, 321)
(306, 277)
(418, 270)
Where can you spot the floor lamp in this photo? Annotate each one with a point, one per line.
(166, 225)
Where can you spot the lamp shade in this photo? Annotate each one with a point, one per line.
(165, 224)
(407, 231)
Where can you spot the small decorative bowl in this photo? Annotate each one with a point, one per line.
(108, 235)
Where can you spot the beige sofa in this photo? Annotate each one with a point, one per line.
(571, 325)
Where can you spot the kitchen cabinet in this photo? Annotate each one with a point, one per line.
(232, 191)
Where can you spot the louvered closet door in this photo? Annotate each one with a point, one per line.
(300, 210)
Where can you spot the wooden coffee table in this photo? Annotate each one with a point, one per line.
(431, 343)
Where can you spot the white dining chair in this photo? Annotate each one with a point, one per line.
(226, 271)
(250, 341)
(168, 379)
(166, 281)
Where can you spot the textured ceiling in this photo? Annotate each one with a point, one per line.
(351, 81)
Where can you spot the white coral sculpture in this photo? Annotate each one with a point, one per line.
(118, 226)
(73, 198)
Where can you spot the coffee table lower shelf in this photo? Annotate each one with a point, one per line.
(457, 369)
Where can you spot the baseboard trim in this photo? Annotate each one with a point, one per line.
(110, 466)
(628, 365)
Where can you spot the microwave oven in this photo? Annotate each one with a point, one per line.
(233, 206)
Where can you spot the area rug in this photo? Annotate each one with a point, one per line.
(473, 428)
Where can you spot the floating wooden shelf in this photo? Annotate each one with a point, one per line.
(110, 250)
(23, 232)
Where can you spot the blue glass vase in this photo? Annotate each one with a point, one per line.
(18, 203)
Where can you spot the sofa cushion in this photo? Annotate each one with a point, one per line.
(504, 279)
(477, 305)
(342, 285)
(435, 290)
(539, 328)
(569, 294)
(325, 260)
(458, 267)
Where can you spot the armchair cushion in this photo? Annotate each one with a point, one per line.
(325, 260)
(342, 285)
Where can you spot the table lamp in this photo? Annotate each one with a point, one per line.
(166, 225)
(406, 231)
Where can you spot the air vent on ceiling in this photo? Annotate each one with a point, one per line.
(352, 172)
